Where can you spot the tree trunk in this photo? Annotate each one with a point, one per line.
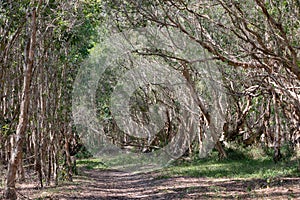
(68, 158)
(55, 165)
(206, 114)
(16, 155)
(277, 142)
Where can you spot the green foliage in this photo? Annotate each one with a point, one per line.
(288, 151)
(63, 174)
(6, 128)
(83, 153)
(236, 151)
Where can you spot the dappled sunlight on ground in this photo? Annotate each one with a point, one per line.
(112, 184)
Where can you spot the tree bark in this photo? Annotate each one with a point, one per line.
(16, 155)
(68, 158)
(277, 143)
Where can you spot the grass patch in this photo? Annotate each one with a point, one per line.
(238, 165)
(91, 163)
(122, 162)
(234, 169)
(248, 163)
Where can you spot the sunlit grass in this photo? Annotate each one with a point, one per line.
(237, 165)
(91, 163)
(233, 168)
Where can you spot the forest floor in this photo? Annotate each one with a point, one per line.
(112, 184)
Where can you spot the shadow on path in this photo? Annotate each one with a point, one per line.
(112, 184)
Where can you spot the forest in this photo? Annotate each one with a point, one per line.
(163, 99)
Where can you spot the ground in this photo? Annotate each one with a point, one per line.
(112, 184)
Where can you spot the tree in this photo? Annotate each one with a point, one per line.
(257, 37)
(16, 155)
(43, 44)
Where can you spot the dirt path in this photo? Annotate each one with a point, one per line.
(110, 184)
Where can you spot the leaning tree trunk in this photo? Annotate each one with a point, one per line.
(16, 154)
(206, 114)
